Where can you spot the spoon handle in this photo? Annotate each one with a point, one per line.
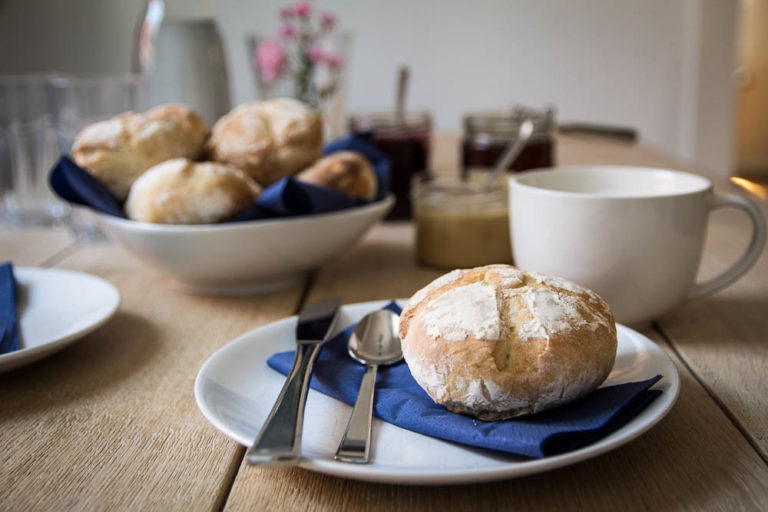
(512, 152)
(355, 445)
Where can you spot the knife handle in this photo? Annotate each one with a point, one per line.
(279, 441)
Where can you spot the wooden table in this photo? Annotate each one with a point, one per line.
(110, 423)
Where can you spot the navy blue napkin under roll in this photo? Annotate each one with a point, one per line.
(286, 198)
(400, 401)
(9, 331)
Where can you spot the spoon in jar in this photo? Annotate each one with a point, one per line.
(513, 151)
(374, 342)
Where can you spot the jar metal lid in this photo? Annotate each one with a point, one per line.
(506, 123)
(455, 192)
(389, 123)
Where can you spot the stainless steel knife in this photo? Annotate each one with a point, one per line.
(279, 441)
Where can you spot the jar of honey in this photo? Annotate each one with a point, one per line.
(488, 134)
(460, 223)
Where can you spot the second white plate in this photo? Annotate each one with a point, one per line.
(55, 308)
(235, 391)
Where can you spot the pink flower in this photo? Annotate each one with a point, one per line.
(270, 59)
(286, 13)
(316, 54)
(334, 61)
(302, 10)
(327, 20)
(288, 31)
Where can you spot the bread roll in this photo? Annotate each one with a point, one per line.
(119, 150)
(346, 171)
(268, 140)
(180, 191)
(496, 342)
(297, 133)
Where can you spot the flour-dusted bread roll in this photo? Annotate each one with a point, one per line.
(119, 150)
(104, 149)
(346, 171)
(495, 342)
(268, 140)
(180, 191)
(169, 131)
(297, 133)
(242, 138)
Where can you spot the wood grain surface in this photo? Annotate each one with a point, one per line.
(33, 247)
(724, 337)
(110, 423)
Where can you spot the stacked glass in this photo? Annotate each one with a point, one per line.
(39, 118)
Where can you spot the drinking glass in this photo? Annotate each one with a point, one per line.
(27, 152)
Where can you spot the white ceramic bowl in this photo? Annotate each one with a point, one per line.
(245, 257)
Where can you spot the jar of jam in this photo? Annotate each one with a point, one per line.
(461, 223)
(405, 140)
(487, 135)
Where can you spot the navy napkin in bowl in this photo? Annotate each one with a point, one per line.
(9, 331)
(402, 402)
(286, 198)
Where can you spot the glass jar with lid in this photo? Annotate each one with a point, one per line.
(405, 139)
(488, 134)
(461, 223)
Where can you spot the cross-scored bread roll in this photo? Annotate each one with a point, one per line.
(119, 150)
(346, 171)
(268, 140)
(496, 342)
(180, 191)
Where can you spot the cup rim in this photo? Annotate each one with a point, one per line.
(696, 184)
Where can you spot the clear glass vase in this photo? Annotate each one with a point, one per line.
(320, 81)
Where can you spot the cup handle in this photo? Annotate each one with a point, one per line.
(750, 255)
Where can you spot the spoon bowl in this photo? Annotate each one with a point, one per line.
(375, 340)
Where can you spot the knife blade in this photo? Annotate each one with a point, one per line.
(278, 444)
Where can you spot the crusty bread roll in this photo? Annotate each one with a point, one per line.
(268, 140)
(119, 150)
(180, 191)
(346, 171)
(496, 342)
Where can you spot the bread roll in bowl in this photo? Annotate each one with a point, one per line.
(496, 342)
(119, 150)
(180, 191)
(268, 140)
(346, 171)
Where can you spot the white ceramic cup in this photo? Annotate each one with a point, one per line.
(633, 235)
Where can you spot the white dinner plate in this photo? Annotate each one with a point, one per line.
(235, 390)
(55, 308)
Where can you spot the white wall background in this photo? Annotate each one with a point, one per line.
(661, 66)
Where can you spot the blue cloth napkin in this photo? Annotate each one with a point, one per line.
(286, 198)
(9, 331)
(401, 401)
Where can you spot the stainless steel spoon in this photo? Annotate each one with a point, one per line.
(524, 133)
(374, 342)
